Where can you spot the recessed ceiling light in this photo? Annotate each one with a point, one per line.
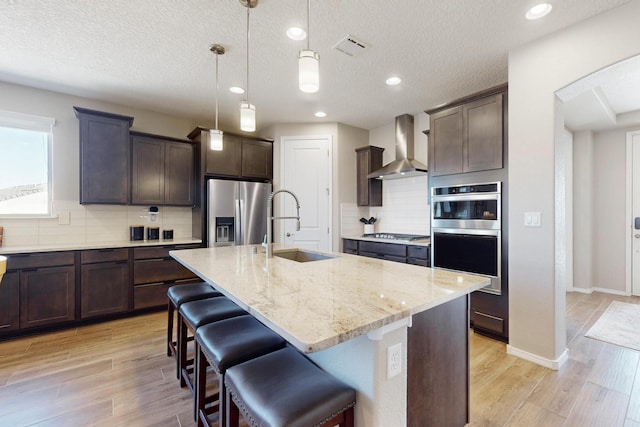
(236, 89)
(394, 80)
(538, 11)
(296, 33)
(320, 114)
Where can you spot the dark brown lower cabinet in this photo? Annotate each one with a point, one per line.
(105, 282)
(438, 366)
(47, 296)
(46, 290)
(10, 302)
(410, 254)
(154, 271)
(104, 289)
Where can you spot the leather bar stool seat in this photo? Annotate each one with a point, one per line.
(193, 315)
(284, 388)
(177, 295)
(224, 344)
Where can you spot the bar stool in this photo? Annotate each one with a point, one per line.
(177, 295)
(284, 388)
(224, 344)
(194, 314)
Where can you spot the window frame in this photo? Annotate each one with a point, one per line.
(10, 119)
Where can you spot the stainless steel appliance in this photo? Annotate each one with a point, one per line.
(466, 230)
(237, 212)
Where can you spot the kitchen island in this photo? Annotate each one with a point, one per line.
(351, 314)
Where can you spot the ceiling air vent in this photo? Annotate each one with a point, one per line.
(351, 46)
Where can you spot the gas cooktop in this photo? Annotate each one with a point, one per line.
(396, 236)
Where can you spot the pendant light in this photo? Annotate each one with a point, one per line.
(308, 64)
(248, 110)
(215, 135)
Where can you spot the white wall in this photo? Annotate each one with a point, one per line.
(609, 210)
(583, 184)
(536, 71)
(88, 223)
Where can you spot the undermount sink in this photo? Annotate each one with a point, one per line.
(300, 255)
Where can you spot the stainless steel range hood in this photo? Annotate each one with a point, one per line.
(404, 166)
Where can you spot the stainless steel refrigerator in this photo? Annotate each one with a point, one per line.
(237, 212)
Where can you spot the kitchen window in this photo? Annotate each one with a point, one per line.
(25, 165)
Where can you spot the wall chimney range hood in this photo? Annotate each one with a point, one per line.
(404, 166)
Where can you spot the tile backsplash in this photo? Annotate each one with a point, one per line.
(76, 223)
(405, 209)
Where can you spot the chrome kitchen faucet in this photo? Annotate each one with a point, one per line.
(270, 218)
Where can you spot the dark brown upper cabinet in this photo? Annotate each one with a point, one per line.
(369, 190)
(162, 171)
(240, 157)
(468, 137)
(104, 157)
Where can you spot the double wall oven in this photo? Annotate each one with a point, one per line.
(466, 230)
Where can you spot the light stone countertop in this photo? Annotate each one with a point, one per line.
(316, 305)
(97, 245)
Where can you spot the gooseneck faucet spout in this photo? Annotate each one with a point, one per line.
(270, 218)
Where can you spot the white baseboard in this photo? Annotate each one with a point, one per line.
(547, 363)
(611, 291)
(580, 290)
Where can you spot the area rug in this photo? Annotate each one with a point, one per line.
(619, 324)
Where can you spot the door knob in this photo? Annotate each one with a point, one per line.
(637, 236)
(289, 235)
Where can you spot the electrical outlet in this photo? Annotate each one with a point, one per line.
(394, 360)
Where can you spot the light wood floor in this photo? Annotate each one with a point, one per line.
(117, 374)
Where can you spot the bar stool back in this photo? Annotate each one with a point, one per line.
(224, 344)
(179, 294)
(284, 388)
(193, 315)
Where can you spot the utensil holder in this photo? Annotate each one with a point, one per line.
(368, 229)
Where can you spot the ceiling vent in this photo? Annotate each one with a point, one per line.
(351, 46)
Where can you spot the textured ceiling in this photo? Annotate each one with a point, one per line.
(153, 54)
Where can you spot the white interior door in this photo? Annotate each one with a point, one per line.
(635, 212)
(306, 170)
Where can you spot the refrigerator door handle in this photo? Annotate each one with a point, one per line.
(239, 228)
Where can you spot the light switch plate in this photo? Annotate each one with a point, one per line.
(532, 219)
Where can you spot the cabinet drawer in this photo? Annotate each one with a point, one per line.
(420, 252)
(418, 261)
(151, 295)
(350, 246)
(487, 322)
(37, 260)
(159, 251)
(384, 248)
(104, 255)
(159, 270)
(154, 294)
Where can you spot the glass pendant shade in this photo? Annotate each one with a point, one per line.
(215, 139)
(308, 71)
(247, 117)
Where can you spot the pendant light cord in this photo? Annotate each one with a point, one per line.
(217, 90)
(308, 28)
(248, 11)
